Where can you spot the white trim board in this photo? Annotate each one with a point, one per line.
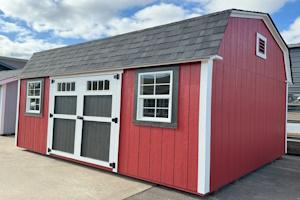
(17, 113)
(2, 108)
(204, 142)
(270, 25)
(286, 117)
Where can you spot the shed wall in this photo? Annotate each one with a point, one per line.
(10, 107)
(163, 155)
(248, 103)
(32, 130)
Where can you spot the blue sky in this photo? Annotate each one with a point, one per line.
(28, 26)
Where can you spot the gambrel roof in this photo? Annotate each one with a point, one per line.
(182, 41)
(189, 40)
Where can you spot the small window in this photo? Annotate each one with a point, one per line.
(261, 46)
(34, 97)
(154, 98)
(98, 85)
(66, 86)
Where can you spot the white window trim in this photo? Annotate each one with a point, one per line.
(35, 97)
(139, 106)
(258, 53)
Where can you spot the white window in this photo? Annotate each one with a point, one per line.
(66, 86)
(33, 97)
(261, 46)
(98, 85)
(154, 98)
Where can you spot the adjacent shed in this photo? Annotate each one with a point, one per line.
(192, 105)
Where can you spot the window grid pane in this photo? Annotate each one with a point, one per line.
(66, 86)
(155, 95)
(98, 85)
(33, 96)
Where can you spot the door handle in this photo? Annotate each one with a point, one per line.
(80, 117)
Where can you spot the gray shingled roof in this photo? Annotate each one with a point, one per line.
(7, 74)
(183, 41)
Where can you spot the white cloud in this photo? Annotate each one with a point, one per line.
(149, 17)
(9, 27)
(292, 34)
(91, 19)
(77, 19)
(23, 48)
(68, 18)
(269, 6)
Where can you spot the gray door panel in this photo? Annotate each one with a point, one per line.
(99, 106)
(96, 140)
(65, 105)
(64, 135)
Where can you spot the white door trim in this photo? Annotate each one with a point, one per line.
(115, 91)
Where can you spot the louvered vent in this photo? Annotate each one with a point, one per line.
(261, 46)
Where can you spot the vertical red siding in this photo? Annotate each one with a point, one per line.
(248, 104)
(161, 155)
(32, 130)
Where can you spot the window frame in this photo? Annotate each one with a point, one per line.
(141, 97)
(40, 97)
(258, 53)
(171, 121)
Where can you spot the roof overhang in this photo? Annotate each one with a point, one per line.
(275, 33)
(8, 80)
(213, 57)
(294, 45)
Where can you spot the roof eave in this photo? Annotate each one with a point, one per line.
(211, 57)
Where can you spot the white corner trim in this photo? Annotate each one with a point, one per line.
(2, 109)
(286, 116)
(205, 126)
(17, 113)
(270, 25)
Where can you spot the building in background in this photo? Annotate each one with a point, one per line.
(10, 69)
(293, 126)
(8, 63)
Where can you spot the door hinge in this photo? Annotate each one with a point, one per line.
(51, 115)
(117, 76)
(115, 120)
(52, 81)
(49, 150)
(112, 165)
(79, 117)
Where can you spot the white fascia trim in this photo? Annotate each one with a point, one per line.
(89, 74)
(266, 19)
(204, 139)
(17, 113)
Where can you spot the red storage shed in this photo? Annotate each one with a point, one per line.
(191, 105)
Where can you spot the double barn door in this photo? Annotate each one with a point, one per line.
(84, 118)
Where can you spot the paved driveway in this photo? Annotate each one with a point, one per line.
(277, 181)
(29, 176)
